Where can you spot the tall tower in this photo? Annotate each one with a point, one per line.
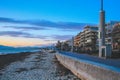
(101, 30)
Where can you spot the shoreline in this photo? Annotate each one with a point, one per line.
(6, 59)
(38, 66)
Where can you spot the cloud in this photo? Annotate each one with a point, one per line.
(25, 27)
(38, 36)
(45, 23)
(60, 25)
(3, 19)
(28, 35)
(41, 25)
(21, 34)
(13, 33)
(49, 40)
(62, 37)
(11, 20)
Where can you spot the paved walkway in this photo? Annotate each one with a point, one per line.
(38, 66)
(107, 63)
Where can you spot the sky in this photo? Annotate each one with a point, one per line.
(44, 22)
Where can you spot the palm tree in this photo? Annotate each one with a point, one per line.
(58, 45)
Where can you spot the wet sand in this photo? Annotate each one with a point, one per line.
(6, 59)
(37, 66)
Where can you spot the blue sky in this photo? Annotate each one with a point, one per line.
(42, 22)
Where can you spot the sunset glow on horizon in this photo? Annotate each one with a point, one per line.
(19, 42)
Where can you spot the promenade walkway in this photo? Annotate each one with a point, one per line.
(112, 64)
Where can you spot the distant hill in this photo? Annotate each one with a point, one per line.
(6, 47)
(9, 49)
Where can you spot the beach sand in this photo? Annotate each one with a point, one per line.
(6, 59)
(35, 66)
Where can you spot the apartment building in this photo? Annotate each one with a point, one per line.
(112, 34)
(116, 37)
(87, 39)
(69, 42)
(109, 28)
(90, 37)
(77, 40)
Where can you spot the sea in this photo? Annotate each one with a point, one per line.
(17, 50)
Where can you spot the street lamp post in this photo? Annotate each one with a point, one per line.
(104, 50)
(72, 44)
(101, 30)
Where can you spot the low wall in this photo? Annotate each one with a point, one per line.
(87, 71)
